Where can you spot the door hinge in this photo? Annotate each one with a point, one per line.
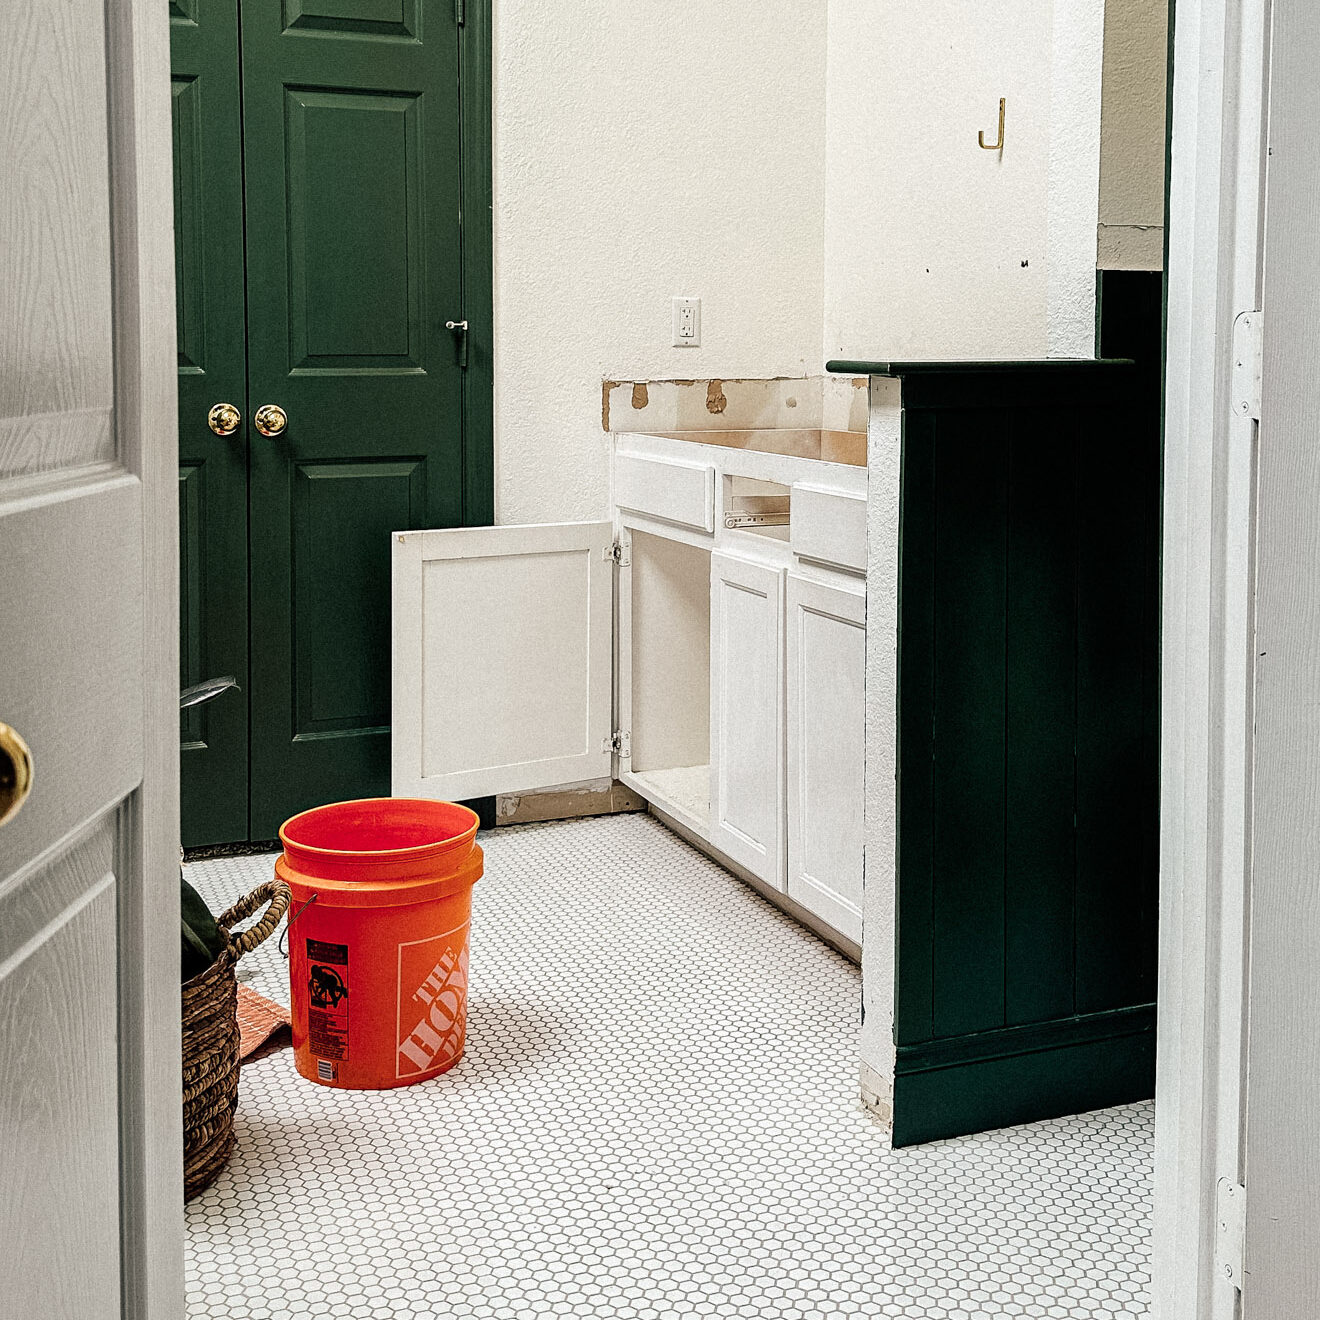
(620, 552)
(1248, 346)
(620, 744)
(460, 12)
(1230, 1230)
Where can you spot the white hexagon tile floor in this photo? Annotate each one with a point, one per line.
(656, 1119)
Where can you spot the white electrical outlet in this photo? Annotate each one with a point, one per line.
(687, 322)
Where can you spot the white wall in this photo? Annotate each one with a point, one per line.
(880, 891)
(808, 168)
(1131, 220)
(934, 247)
(642, 150)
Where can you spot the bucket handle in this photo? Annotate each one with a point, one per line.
(284, 952)
(275, 893)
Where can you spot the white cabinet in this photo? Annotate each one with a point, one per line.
(747, 714)
(715, 670)
(826, 660)
(502, 659)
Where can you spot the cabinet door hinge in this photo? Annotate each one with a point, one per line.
(620, 744)
(1248, 347)
(620, 553)
(1230, 1230)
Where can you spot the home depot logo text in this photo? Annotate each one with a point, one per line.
(437, 1036)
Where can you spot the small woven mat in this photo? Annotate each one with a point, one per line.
(263, 1025)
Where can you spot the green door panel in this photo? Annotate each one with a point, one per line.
(351, 140)
(209, 292)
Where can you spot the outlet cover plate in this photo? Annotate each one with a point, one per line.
(687, 322)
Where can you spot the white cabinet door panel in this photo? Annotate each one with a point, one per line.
(826, 750)
(747, 714)
(503, 658)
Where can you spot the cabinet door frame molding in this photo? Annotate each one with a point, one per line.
(1216, 176)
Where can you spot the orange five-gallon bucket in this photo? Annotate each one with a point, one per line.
(378, 938)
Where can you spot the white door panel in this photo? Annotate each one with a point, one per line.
(58, 1085)
(90, 1151)
(826, 655)
(747, 714)
(503, 658)
(76, 695)
(1282, 1155)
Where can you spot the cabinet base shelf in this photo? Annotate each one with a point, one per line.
(683, 791)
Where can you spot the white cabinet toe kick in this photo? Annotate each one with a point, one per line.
(705, 646)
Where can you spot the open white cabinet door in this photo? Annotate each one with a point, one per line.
(503, 659)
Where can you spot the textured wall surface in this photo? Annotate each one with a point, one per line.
(643, 151)
(1131, 228)
(879, 895)
(934, 247)
(810, 171)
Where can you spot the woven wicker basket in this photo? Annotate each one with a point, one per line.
(210, 1040)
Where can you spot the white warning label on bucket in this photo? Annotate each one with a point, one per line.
(432, 1002)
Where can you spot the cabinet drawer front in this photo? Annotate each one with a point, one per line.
(829, 526)
(681, 493)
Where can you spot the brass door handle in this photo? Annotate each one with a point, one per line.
(224, 418)
(270, 419)
(15, 773)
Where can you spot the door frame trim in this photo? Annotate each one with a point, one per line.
(1218, 105)
(475, 193)
(141, 162)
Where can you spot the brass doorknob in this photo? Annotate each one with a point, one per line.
(224, 418)
(270, 419)
(15, 773)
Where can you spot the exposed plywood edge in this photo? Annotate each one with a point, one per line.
(597, 797)
(775, 403)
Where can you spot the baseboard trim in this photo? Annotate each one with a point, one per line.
(996, 1079)
(597, 797)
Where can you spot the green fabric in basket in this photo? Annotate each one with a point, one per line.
(202, 940)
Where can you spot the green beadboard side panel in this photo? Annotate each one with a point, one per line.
(967, 987)
(1028, 794)
(916, 705)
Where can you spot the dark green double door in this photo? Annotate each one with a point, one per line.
(317, 190)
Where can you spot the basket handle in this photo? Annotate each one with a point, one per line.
(275, 893)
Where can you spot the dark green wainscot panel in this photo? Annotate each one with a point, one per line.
(1028, 754)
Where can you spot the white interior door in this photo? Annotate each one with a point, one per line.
(826, 749)
(1282, 1164)
(90, 1148)
(503, 659)
(747, 714)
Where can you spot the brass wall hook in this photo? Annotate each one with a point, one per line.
(993, 146)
